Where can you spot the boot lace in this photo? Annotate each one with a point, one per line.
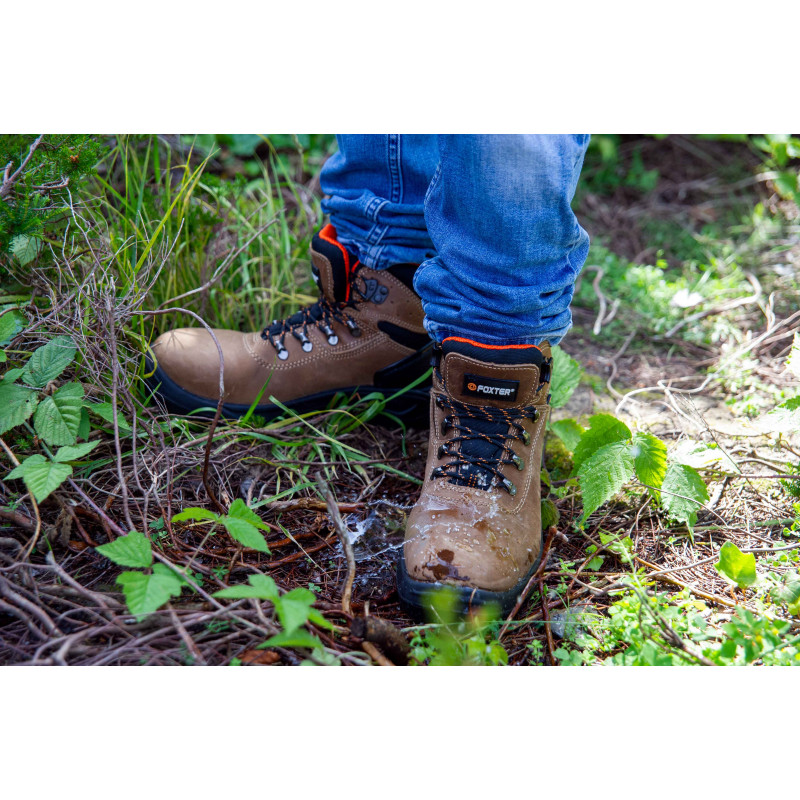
(321, 315)
(483, 436)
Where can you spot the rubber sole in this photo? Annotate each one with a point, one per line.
(415, 595)
(411, 407)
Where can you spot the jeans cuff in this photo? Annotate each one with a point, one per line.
(441, 332)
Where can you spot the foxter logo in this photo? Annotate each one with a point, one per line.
(479, 386)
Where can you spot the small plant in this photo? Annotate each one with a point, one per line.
(145, 592)
(241, 523)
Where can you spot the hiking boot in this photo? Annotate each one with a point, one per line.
(364, 334)
(477, 524)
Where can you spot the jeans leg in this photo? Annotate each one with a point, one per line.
(508, 246)
(376, 186)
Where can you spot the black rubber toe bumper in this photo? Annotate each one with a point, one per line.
(415, 595)
(411, 407)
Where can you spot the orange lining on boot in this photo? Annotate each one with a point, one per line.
(328, 234)
(491, 346)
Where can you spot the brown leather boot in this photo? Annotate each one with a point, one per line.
(477, 524)
(364, 334)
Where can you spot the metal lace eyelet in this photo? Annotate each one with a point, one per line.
(333, 339)
(447, 422)
(437, 473)
(352, 327)
(443, 451)
(306, 343)
(283, 353)
(518, 462)
(526, 437)
(509, 487)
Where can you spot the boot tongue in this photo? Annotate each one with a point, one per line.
(332, 265)
(484, 375)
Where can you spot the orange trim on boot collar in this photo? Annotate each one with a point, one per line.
(328, 234)
(491, 346)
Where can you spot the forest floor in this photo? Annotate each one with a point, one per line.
(684, 318)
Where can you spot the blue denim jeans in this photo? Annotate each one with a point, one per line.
(487, 217)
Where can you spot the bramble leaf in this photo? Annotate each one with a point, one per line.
(294, 607)
(17, 403)
(569, 431)
(262, 587)
(195, 514)
(41, 476)
(11, 323)
(683, 491)
(246, 533)
(566, 377)
(603, 474)
(649, 459)
(735, 566)
(74, 452)
(603, 429)
(49, 361)
(106, 411)
(58, 417)
(131, 550)
(298, 638)
(239, 510)
(145, 594)
(25, 248)
(789, 593)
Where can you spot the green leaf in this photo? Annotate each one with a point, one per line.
(131, 550)
(649, 459)
(17, 403)
(683, 491)
(106, 411)
(195, 514)
(262, 587)
(11, 375)
(603, 429)
(789, 593)
(246, 533)
(298, 638)
(595, 563)
(145, 594)
(74, 452)
(569, 431)
(25, 248)
(85, 426)
(58, 417)
(784, 418)
(603, 474)
(239, 510)
(735, 566)
(41, 476)
(49, 361)
(293, 608)
(566, 377)
(11, 323)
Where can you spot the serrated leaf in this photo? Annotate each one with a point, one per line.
(298, 638)
(74, 452)
(132, 550)
(11, 323)
(106, 412)
(683, 492)
(58, 417)
(566, 377)
(9, 376)
(785, 418)
(49, 361)
(603, 429)
(246, 533)
(293, 608)
(41, 476)
(145, 594)
(17, 403)
(649, 459)
(239, 510)
(569, 431)
(735, 566)
(195, 514)
(25, 248)
(603, 474)
(261, 587)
